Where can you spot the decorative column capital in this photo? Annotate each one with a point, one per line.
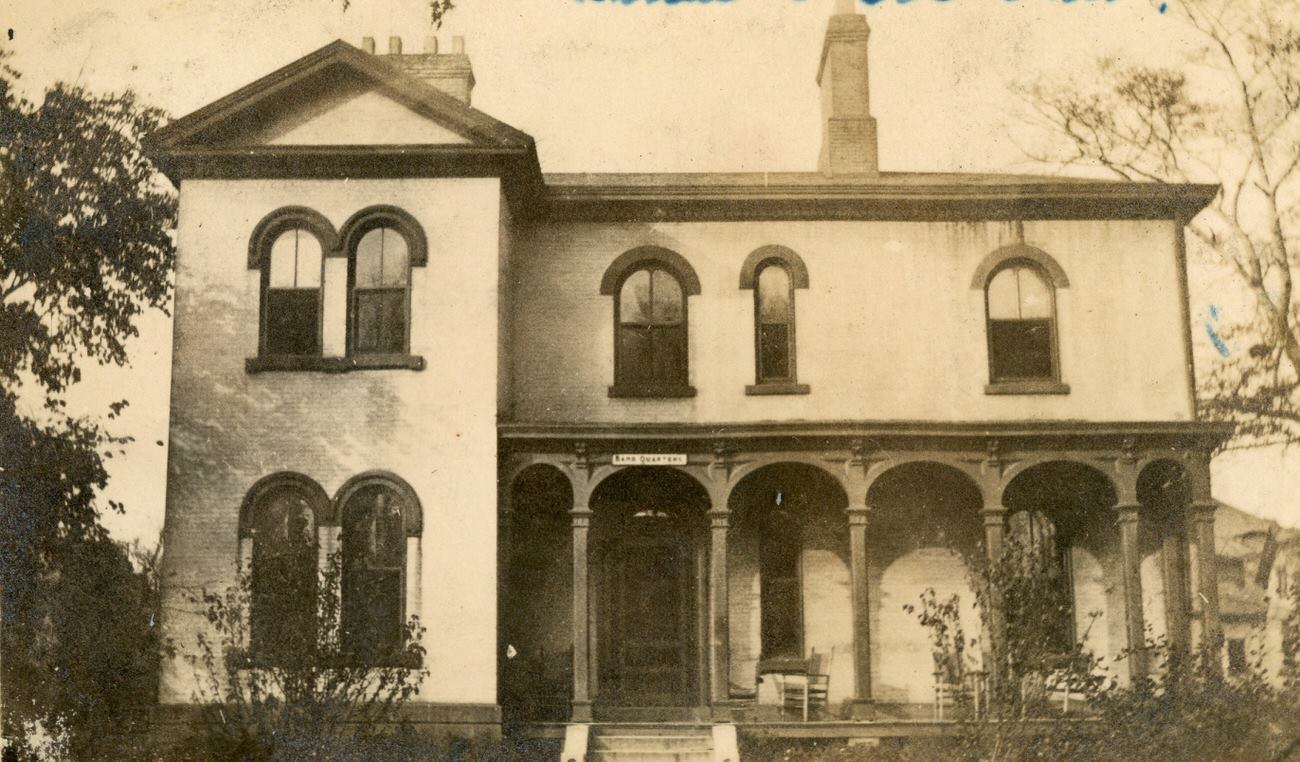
(719, 519)
(994, 516)
(1128, 511)
(580, 517)
(859, 515)
(1202, 511)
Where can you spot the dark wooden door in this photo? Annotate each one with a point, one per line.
(651, 626)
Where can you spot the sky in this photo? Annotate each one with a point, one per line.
(622, 86)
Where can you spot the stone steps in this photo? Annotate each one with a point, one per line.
(650, 744)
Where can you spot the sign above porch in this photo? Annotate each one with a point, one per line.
(650, 459)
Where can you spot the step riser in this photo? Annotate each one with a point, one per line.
(649, 756)
(652, 743)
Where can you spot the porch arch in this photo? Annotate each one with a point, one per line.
(924, 534)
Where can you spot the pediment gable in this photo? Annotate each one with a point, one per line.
(336, 96)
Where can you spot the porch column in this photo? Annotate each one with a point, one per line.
(1131, 562)
(995, 523)
(719, 631)
(858, 515)
(1207, 575)
(581, 520)
(1173, 554)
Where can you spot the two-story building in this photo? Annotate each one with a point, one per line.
(619, 440)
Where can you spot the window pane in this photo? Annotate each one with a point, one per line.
(667, 299)
(382, 259)
(773, 351)
(284, 577)
(1035, 294)
(634, 300)
(774, 295)
(381, 321)
(292, 322)
(374, 556)
(308, 273)
(1020, 349)
(1004, 296)
(283, 257)
(634, 362)
(669, 348)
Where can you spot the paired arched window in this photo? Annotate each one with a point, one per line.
(382, 245)
(280, 518)
(378, 514)
(1020, 285)
(773, 273)
(650, 322)
(289, 248)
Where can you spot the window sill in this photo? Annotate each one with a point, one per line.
(333, 364)
(652, 392)
(777, 387)
(1031, 386)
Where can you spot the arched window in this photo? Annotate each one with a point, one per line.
(650, 286)
(288, 247)
(280, 518)
(1021, 316)
(378, 514)
(774, 324)
(382, 244)
(774, 272)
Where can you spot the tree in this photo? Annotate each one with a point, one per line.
(1230, 116)
(85, 246)
(276, 693)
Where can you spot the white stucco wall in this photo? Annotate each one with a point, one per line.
(435, 428)
(889, 328)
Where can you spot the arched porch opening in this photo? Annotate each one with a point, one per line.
(788, 577)
(1061, 530)
(1164, 491)
(536, 601)
(923, 534)
(649, 540)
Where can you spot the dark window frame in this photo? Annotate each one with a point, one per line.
(403, 224)
(1052, 278)
(262, 239)
(412, 526)
(750, 273)
(650, 258)
(250, 521)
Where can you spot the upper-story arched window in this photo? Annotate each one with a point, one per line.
(650, 323)
(774, 272)
(289, 247)
(378, 514)
(1021, 324)
(279, 518)
(382, 245)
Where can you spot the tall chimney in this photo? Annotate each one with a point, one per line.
(848, 129)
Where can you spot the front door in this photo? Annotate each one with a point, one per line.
(648, 658)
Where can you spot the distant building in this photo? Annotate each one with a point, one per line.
(624, 442)
(1258, 564)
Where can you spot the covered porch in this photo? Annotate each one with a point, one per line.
(670, 573)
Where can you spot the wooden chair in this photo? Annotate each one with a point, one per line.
(971, 687)
(808, 691)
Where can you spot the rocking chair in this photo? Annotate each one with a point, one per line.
(807, 691)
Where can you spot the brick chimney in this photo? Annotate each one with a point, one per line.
(449, 72)
(848, 129)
